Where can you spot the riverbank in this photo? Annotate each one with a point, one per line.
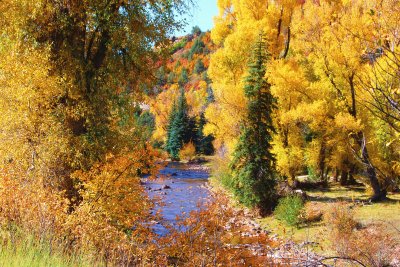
(247, 235)
(378, 219)
(311, 241)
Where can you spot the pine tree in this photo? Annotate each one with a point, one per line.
(199, 66)
(180, 127)
(253, 165)
(184, 78)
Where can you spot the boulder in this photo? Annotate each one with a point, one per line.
(166, 187)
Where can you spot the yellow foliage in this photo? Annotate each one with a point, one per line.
(236, 29)
(161, 107)
(347, 122)
(289, 160)
(188, 151)
(341, 54)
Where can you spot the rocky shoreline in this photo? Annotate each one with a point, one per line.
(267, 246)
(263, 246)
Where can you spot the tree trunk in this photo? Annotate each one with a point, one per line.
(379, 193)
(351, 180)
(321, 163)
(344, 177)
(336, 176)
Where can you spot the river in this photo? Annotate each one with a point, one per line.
(181, 188)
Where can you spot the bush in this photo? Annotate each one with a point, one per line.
(178, 45)
(289, 210)
(340, 218)
(340, 222)
(371, 245)
(188, 151)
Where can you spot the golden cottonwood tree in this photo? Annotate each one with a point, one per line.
(236, 29)
(337, 58)
(333, 70)
(32, 138)
(381, 85)
(101, 49)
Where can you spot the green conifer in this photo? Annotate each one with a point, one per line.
(199, 66)
(180, 127)
(183, 78)
(253, 165)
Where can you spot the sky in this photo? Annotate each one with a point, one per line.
(201, 15)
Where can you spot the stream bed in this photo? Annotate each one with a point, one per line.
(181, 188)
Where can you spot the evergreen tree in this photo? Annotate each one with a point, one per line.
(199, 66)
(253, 165)
(180, 127)
(171, 138)
(161, 76)
(171, 77)
(184, 77)
(197, 48)
(196, 30)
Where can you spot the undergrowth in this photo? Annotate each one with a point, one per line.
(26, 251)
(289, 210)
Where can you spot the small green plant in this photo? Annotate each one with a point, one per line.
(289, 210)
(312, 174)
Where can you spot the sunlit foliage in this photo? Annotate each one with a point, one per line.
(333, 71)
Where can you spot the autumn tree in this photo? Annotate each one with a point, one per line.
(71, 146)
(103, 50)
(179, 72)
(381, 86)
(236, 29)
(253, 164)
(204, 143)
(337, 54)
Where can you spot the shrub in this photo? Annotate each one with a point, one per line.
(178, 45)
(289, 210)
(371, 245)
(188, 151)
(340, 223)
(312, 213)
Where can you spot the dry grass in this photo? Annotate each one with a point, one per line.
(385, 216)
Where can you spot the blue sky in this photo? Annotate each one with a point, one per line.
(201, 15)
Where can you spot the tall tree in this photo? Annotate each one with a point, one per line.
(253, 164)
(181, 128)
(102, 49)
(337, 55)
(236, 28)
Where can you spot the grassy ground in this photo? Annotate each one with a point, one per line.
(28, 253)
(386, 214)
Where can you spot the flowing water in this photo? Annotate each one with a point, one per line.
(181, 188)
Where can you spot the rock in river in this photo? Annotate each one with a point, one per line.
(166, 187)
